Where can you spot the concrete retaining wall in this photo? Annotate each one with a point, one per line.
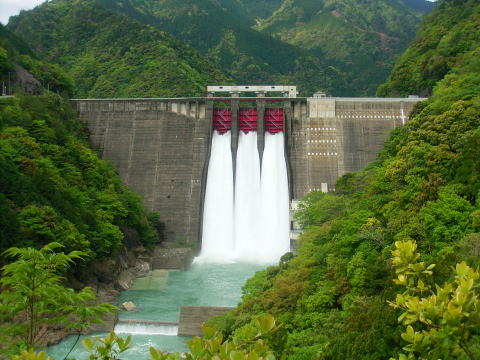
(192, 318)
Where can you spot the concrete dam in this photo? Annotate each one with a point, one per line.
(161, 147)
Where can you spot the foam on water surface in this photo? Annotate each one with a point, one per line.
(146, 329)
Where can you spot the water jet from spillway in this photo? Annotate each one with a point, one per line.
(247, 207)
(275, 230)
(217, 235)
(246, 219)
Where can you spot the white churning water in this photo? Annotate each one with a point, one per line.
(275, 231)
(142, 328)
(218, 205)
(247, 199)
(251, 222)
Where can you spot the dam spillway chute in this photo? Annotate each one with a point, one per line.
(257, 189)
(217, 230)
(274, 119)
(222, 120)
(275, 231)
(247, 205)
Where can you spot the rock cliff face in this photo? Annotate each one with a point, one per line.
(27, 82)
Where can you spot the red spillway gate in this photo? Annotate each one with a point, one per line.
(274, 120)
(248, 120)
(222, 120)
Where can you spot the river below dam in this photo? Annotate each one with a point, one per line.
(160, 297)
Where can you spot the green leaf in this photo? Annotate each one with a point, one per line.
(87, 342)
(237, 355)
(265, 323)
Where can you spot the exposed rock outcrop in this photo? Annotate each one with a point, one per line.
(27, 82)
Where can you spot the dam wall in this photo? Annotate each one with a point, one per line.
(160, 147)
(331, 137)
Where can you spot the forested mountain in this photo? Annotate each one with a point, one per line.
(110, 55)
(223, 34)
(254, 9)
(21, 69)
(360, 38)
(355, 43)
(449, 33)
(421, 5)
(343, 47)
(332, 297)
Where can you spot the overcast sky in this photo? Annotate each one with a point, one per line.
(13, 7)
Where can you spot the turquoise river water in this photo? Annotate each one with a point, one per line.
(160, 296)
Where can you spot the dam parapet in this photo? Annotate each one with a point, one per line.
(161, 147)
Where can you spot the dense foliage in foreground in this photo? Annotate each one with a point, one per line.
(441, 322)
(53, 187)
(212, 345)
(425, 186)
(33, 297)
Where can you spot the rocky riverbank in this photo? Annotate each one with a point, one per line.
(109, 276)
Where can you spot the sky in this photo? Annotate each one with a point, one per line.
(13, 7)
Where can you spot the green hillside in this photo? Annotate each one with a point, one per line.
(450, 33)
(223, 34)
(251, 9)
(361, 39)
(15, 55)
(343, 47)
(425, 187)
(421, 5)
(111, 55)
(53, 187)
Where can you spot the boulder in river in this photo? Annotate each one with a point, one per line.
(129, 306)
